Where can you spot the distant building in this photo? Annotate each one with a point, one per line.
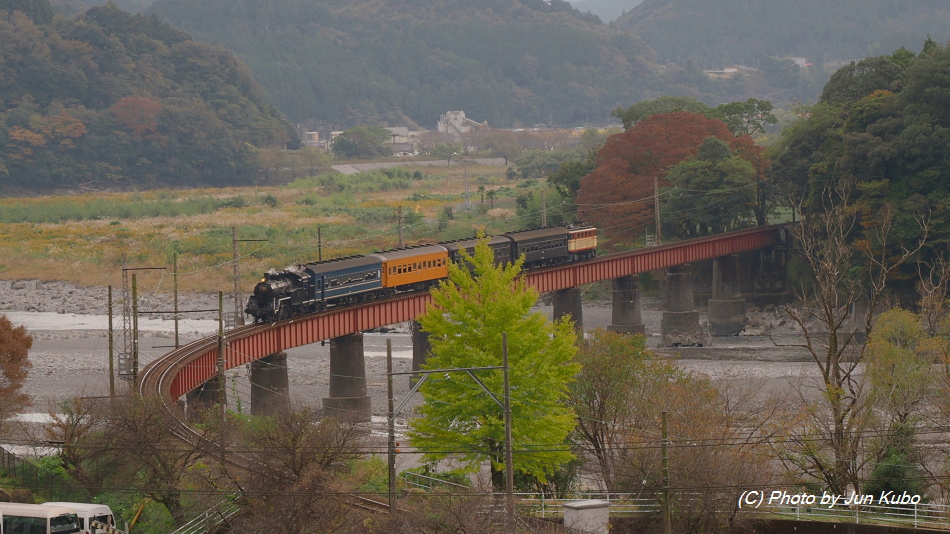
(312, 139)
(835, 64)
(727, 72)
(455, 123)
(801, 62)
(401, 142)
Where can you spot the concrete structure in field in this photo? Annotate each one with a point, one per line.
(420, 347)
(203, 397)
(569, 302)
(680, 324)
(270, 385)
(587, 517)
(726, 309)
(348, 396)
(626, 317)
(455, 123)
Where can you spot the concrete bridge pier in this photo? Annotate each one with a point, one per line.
(568, 302)
(626, 306)
(203, 397)
(270, 387)
(420, 347)
(680, 324)
(727, 311)
(348, 398)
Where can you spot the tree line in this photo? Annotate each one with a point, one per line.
(109, 99)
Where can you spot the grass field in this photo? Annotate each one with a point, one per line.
(84, 238)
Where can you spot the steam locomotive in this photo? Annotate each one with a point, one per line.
(312, 287)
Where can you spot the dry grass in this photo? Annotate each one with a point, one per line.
(90, 252)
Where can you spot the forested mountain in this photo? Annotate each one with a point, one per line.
(113, 99)
(607, 10)
(74, 7)
(508, 62)
(881, 129)
(716, 33)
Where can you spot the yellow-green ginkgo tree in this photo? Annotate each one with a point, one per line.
(469, 312)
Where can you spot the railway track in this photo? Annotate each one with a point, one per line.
(158, 376)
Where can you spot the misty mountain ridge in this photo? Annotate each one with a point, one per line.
(405, 62)
(607, 10)
(714, 33)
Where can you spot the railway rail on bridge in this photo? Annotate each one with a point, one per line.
(186, 369)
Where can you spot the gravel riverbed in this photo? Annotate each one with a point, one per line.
(70, 348)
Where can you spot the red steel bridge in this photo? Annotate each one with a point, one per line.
(186, 368)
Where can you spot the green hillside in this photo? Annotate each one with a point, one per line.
(508, 62)
(715, 33)
(108, 99)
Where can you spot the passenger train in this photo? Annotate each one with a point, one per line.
(313, 287)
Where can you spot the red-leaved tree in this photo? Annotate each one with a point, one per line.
(15, 345)
(138, 115)
(617, 196)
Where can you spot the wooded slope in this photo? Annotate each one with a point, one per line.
(113, 99)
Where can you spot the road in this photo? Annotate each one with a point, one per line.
(353, 168)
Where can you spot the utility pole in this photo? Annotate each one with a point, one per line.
(129, 358)
(667, 516)
(465, 180)
(319, 244)
(238, 310)
(238, 316)
(125, 363)
(544, 211)
(222, 383)
(402, 242)
(509, 462)
(135, 331)
(501, 403)
(656, 209)
(111, 351)
(175, 283)
(391, 425)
